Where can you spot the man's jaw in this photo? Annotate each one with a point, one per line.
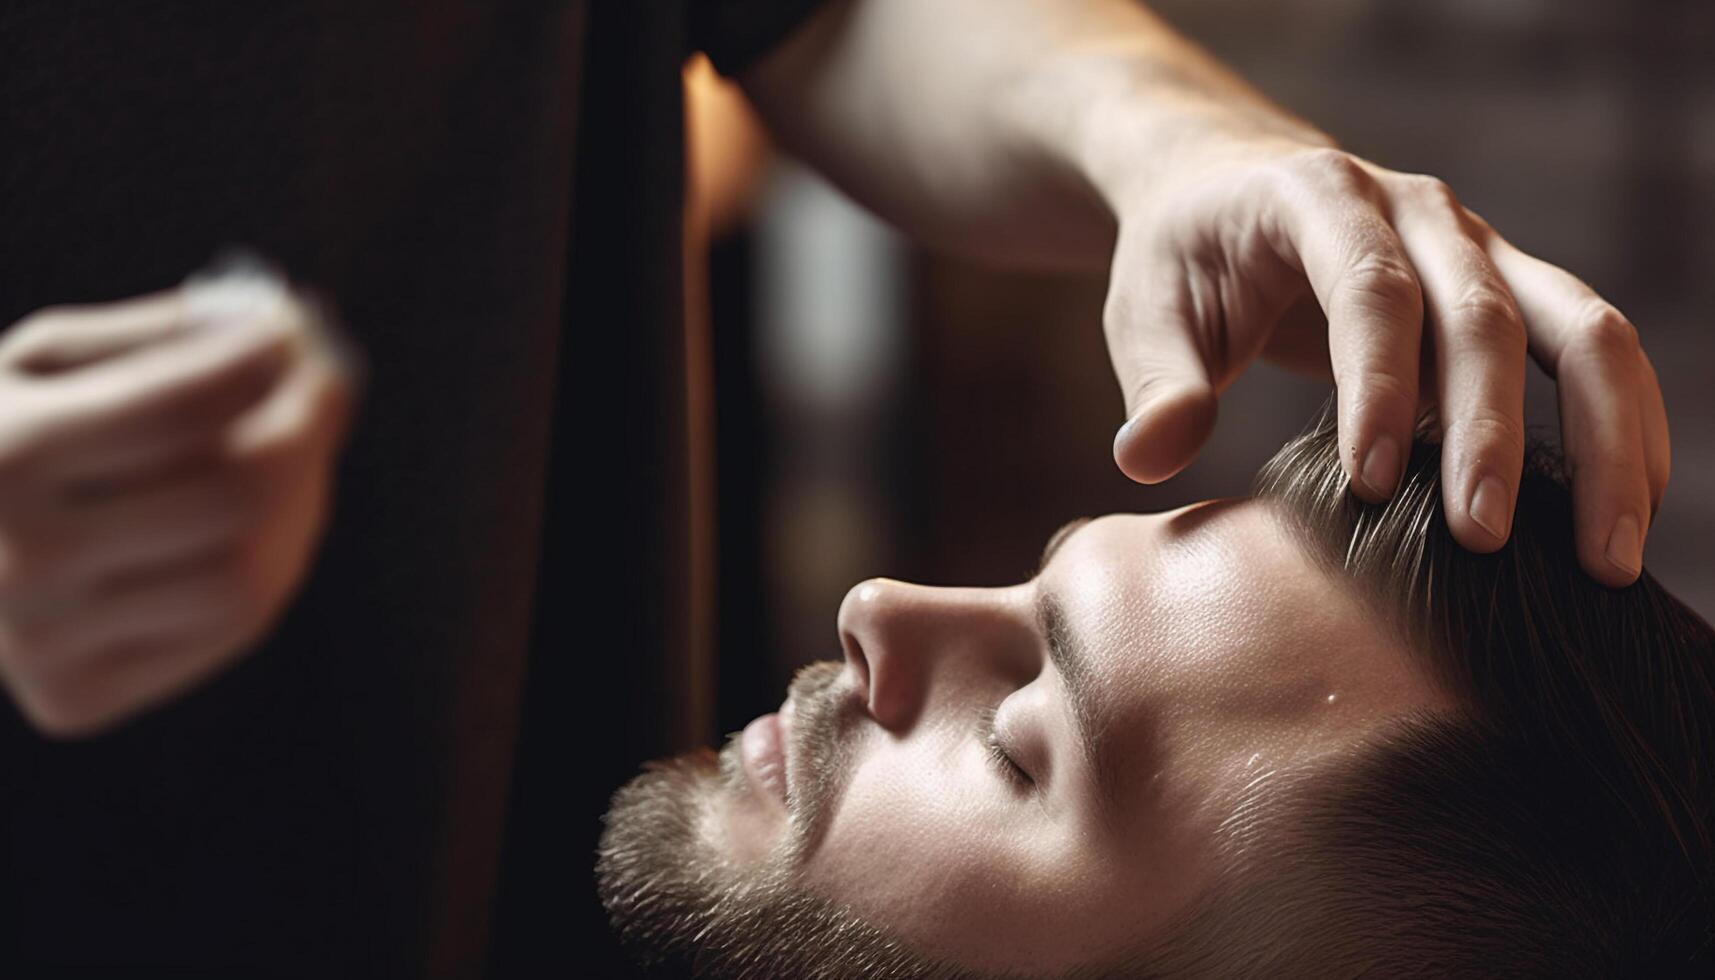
(676, 881)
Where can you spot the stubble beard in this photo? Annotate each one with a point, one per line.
(674, 894)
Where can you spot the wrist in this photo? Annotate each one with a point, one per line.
(1128, 122)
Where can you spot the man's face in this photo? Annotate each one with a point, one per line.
(1031, 777)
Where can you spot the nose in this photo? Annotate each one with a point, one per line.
(904, 643)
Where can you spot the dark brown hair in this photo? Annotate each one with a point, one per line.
(1558, 823)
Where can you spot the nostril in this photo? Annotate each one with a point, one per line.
(856, 662)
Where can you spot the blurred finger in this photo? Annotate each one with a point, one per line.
(193, 594)
(63, 338)
(173, 398)
(309, 408)
(160, 524)
(124, 680)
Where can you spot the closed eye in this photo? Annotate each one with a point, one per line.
(998, 756)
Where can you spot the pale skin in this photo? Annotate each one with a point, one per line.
(165, 482)
(1078, 133)
(1222, 656)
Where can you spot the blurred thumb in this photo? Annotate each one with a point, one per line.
(1169, 401)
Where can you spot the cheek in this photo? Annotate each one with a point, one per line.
(929, 845)
(920, 843)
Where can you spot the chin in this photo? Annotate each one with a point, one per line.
(653, 849)
(678, 894)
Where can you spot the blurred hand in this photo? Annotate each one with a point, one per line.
(164, 477)
(1318, 260)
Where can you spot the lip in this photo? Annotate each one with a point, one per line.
(763, 754)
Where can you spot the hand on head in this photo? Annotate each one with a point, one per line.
(1324, 262)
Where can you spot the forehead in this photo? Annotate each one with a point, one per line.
(1224, 650)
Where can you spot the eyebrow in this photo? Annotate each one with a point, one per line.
(1071, 659)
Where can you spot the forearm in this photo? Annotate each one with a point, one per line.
(1004, 129)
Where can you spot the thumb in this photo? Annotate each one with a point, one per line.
(1170, 403)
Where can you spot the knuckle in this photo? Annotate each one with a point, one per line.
(1604, 332)
(1431, 191)
(1484, 316)
(1488, 305)
(1488, 431)
(1384, 279)
(1329, 167)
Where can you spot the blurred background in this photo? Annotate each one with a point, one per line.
(866, 408)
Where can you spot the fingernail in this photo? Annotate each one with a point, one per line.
(1381, 466)
(1626, 545)
(1490, 507)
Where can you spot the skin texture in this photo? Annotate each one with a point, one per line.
(1221, 658)
(1087, 134)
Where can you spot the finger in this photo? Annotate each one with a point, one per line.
(1170, 402)
(308, 410)
(173, 398)
(162, 524)
(63, 338)
(65, 545)
(125, 680)
(134, 647)
(194, 593)
(1658, 450)
(1368, 288)
(1480, 349)
(1607, 409)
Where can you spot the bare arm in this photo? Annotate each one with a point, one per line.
(990, 127)
(1086, 133)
